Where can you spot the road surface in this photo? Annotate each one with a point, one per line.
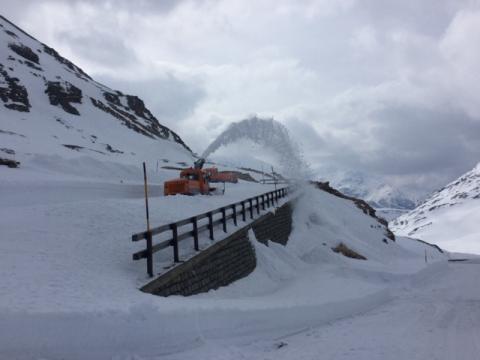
(431, 320)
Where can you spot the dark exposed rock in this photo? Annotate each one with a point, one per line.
(64, 94)
(150, 127)
(112, 150)
(346, 251)
(33, 66)
(78, 148)
(125, 113)
(73, 147)
(8, 151)
(24, 51)
(112, 98)
(11, 33)
(11, 133)
(10, 163)
(14, 95)
(138, 107)
(64, 123)
(125, 121)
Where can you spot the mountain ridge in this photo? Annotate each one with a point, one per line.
(67, 108)
(453, 207)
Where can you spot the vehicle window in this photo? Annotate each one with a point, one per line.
(192, 177)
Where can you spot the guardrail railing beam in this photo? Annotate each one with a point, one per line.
(264, 201)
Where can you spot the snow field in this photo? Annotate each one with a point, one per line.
(69, 286)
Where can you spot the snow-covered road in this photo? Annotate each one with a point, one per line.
(430, 320)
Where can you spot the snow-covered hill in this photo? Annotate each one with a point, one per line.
(449, 217)
(49, 106)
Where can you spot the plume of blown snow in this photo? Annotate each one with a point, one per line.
(270, 134)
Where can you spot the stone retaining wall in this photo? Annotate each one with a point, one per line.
(226, 261)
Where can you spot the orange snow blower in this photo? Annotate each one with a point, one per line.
(192, 181)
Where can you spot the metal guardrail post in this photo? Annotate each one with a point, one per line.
(224, 220)
(257, 205)
(244, 217)
(175, 242)
(263, 202)
(149, 254)
(210, 225)
(234, 210)
(195, 233)
(251, 208)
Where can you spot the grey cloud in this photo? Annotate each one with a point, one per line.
(169, 98)
(99, 46)
(423, 147)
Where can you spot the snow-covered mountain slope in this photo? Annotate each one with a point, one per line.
(49, 106)
(378, 193)
(449, 218)
(257, 143)
(389, 201)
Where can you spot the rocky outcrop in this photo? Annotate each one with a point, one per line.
(24, 51)
(9, 162)
(12, 93)
(63, 94)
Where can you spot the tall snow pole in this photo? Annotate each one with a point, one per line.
(149, 234)
(425, 256)
(146, 194)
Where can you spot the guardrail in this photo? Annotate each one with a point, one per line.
(179, 232)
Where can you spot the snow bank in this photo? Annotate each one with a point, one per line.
(69, 287)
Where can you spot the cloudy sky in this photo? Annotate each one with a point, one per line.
(388, 87)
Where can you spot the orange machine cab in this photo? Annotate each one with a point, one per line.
(191, 182)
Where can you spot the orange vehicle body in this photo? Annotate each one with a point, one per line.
(223, 176)
(191, 182)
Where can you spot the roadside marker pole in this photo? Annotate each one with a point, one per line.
(146, 195)
(149, 234)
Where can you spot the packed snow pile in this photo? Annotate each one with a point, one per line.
(449, 217)
(49, 106)
(259, 143)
